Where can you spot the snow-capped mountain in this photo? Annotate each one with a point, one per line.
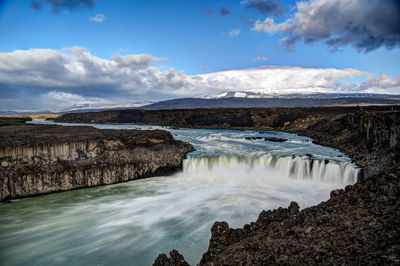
(308, 95)
(89, 107)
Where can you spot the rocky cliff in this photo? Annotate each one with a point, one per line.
(241, 118)
(44, 159)
(357, 225)
(371, 139)
(13, 121)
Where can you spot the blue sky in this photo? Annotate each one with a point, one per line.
(183, 32)
(178, 30)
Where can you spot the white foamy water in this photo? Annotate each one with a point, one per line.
(297, 167)
(227, 178)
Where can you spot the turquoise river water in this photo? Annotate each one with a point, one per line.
(227, 178)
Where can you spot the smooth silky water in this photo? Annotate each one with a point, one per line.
(227, 178)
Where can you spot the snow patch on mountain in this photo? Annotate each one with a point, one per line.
(310, 93)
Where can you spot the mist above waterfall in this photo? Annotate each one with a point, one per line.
(270, 166)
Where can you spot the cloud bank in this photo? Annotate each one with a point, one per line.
(365, 25)
(38, 79)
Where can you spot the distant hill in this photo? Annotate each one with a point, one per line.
(224, 101)
(237, 102)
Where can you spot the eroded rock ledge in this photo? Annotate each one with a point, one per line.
(358, 225)
(36, 160)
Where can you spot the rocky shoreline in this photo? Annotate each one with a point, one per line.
(37, 160)
(357, 225)
(13, 121)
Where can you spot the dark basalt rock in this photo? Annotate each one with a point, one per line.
(176, 259)
(359, 225)
(371, 139)
(253, 138)
(273, 139)
(259, 118)
(13, 121)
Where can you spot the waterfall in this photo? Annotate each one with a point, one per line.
(297, 167)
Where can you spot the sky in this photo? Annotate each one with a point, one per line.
(60, 53)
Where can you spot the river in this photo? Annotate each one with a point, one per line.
(228, 178)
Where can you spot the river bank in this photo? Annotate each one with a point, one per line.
(40, 159)
(282, 119)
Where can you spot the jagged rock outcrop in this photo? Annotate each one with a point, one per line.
(37, 160)
(175, 259)
(358, 225)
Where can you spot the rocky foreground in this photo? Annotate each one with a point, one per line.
(37, 160)
(358, 225)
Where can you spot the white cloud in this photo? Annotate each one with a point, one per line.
(45, 78)
(382, 84)
(135, 61)
(234, 32)
(98, 18)
(259, 59)
(268, 25)
(58, 99)
(281, 79)
(366, 25)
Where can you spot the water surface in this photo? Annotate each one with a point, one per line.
(227, 178)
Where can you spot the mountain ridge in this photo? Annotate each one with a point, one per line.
(234, 100)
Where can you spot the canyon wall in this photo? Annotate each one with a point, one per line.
(36, 160)
(371, 139)
(257, 118)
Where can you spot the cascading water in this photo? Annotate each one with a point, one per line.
(297, 167)
(228, 178)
